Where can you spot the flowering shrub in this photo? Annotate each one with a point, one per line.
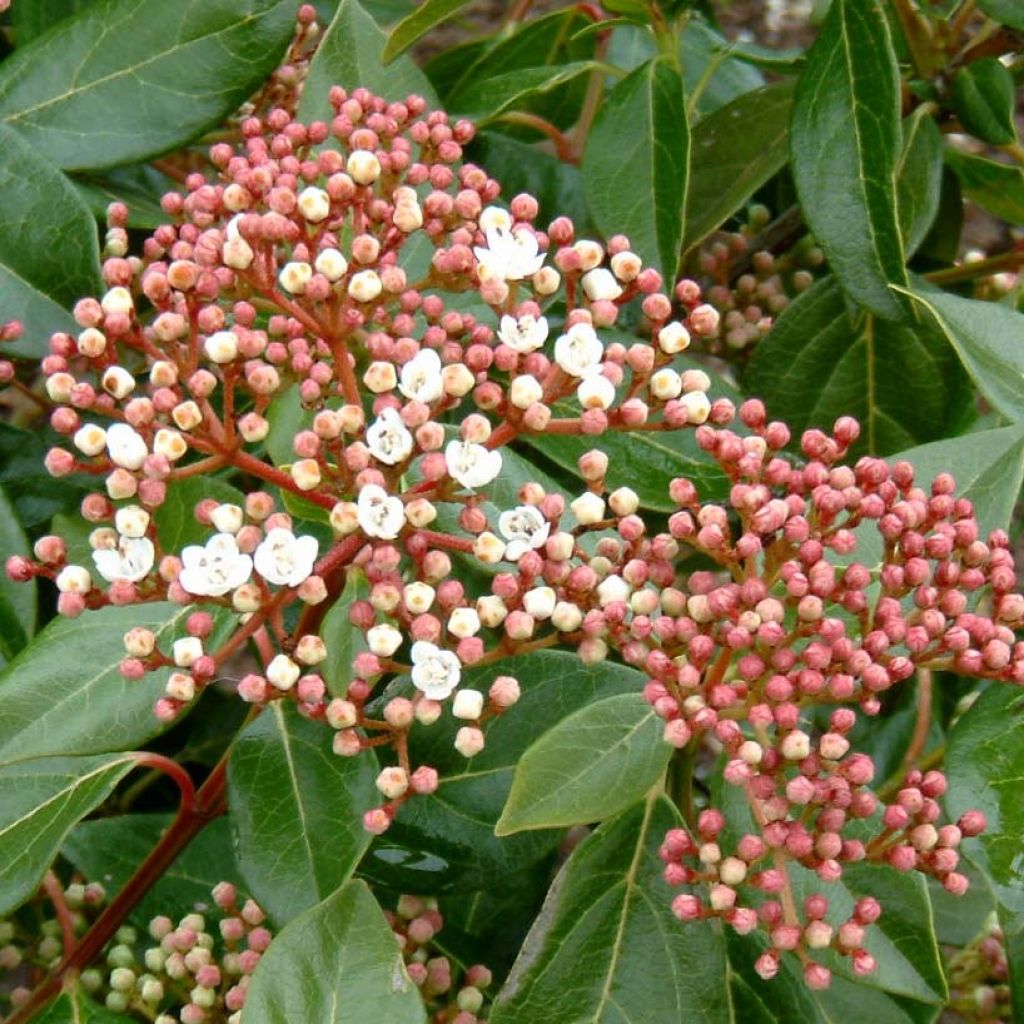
(556, 579)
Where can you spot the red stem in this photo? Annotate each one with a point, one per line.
(55, 891)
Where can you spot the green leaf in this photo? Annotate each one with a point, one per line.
(33, 19)
(996, 187)
(733, 152)
(108, 850)
(418, 23)
(17, 600)
(984, 99)
(845, 139)
(335, 964)
(139, 188)
(647, 461)
(984, 766)
(635, 163)
(75, 1007)
(49, 253)
(344, 642)
(64, 693)
(588, 767)
(124, 80)
(1007, 11)
(510, 91)
(40, 800)
(296, 810)
(350, 54)
(606, 948)
(704, 55)
(36, 495)
(989, 338)
(175, 519)
(447, 839)
(818, 363)
(918, 178)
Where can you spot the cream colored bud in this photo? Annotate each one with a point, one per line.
(237, 254)
(221, 347)
(408, 217)
(546, 281)
(626, 266)
(363, 166)
(491, 609)
(131, 521)
(353, 419)
(341, 714)
(282, 672)
(673, 338)
(187, 415)
(139, 642)
(420, 513)
(295, 276)
(591, 253)
(380, 377)
(344, 518)
(365, 286)
(566, 617)
(314, 204)
(468, 704)
(464, 622)
(247, 598)
(58, 387)
(418, 597)
(469, 741)
(524, 391)
(393, 782)
(118, 382)
(384, 640)
(180, 686)
(698, 407)
(457, 380)
(185, 650)
(588, 508)
(596, 392)
(306, 474)
(90, 439)
(253, 427)
(666, 384)
(365, 248)
(488, 549)
(117, 300)
(331, 264)
(795, 746)
(74, 579)
(237, 198)
(624, 501)
(92, 342)
(163, 374)
(170, 444)
(560, 546)
(227, 518)
(696, 380)
(310, 649)
(539, 602)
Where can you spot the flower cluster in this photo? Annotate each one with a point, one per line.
(448, 997)
(191, 975)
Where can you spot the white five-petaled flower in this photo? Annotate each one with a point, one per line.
(379, 514)
(125, 446)
(435, 672)
(579, 351)
(421, 377)
(216, 568)
(130, 560)
(523, 334)
(524, 529)
(388, 438)
(510, 255)
(472, 465)
(285, 559)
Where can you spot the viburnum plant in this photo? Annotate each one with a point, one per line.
(532, 616)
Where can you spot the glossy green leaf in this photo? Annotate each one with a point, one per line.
(447, 839)
(350, 54)
(33, 19)
(335, 964)
(75, 1007)
(108, 851)
(984, 98)
(64, 693)
(845, 141)
(175, 519)
(589, 766)
(989, 338)
(511, 91)
(343, 640)
(418, 23)
(904, 384)
(635, 164)
(1009, 12)
(606, 948)
(35, 494)
(41, 799)
(139, 188)
(84, 102)
(918, 177)
(733, 152)
(996, 187)
(49, 253)
(17, 600)
(984, 766)
(296, 810)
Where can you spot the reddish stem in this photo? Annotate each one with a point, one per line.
(55, 891)
(173, 770)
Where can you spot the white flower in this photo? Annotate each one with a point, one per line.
(388, 438)
(213, 570)
(601, 284)
(525, 529)
(435, 672)
(380, 514)
(523, 334)
(126, 447)
(285, 559)
(131, 560)
(509, 255)
(472, 465)
(579, 351)
(421, 377)
(492, 217)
